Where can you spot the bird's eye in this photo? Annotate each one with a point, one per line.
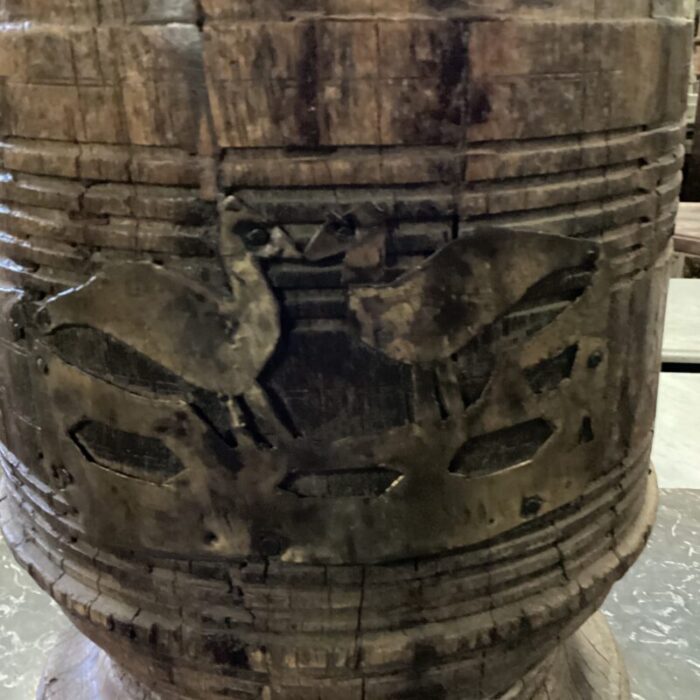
(253, 234)
(345, 227)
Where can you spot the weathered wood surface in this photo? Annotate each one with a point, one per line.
(588, 666)
(330, 330)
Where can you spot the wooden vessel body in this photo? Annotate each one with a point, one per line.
(330, 332)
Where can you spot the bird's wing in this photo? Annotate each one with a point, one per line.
(433, 311)
(211, 342)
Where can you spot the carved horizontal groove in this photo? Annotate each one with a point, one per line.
(100, 162)
(507, 161)
(591, 222)
(368, 482)
(77, 237)
(43, 281)
(530, 194)
(142, 235)
(367, 11)
(569, 189)
(76, 197)
(293, 275)
(137, 456)
(84, 16)
(57, 255)
(321, 304)
(576, 216)
(503, 449)
(72, 165)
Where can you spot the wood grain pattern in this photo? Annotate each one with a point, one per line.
(330, 333)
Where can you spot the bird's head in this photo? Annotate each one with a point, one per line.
(244, 231)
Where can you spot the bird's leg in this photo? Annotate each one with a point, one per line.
(255, 420)
(447, 392)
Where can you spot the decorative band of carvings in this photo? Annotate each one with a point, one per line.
(554, 571)
(93, 205)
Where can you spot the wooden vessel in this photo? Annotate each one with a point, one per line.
(330, 337)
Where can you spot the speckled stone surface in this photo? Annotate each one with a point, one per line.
(30, 624)
(677, 436)
(682, 333)
(655, 610)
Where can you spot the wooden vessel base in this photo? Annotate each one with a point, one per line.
(586, 667)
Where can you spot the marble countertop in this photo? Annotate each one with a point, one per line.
(655, 610)
(676, 452)
(682, 335)
(30, 623)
